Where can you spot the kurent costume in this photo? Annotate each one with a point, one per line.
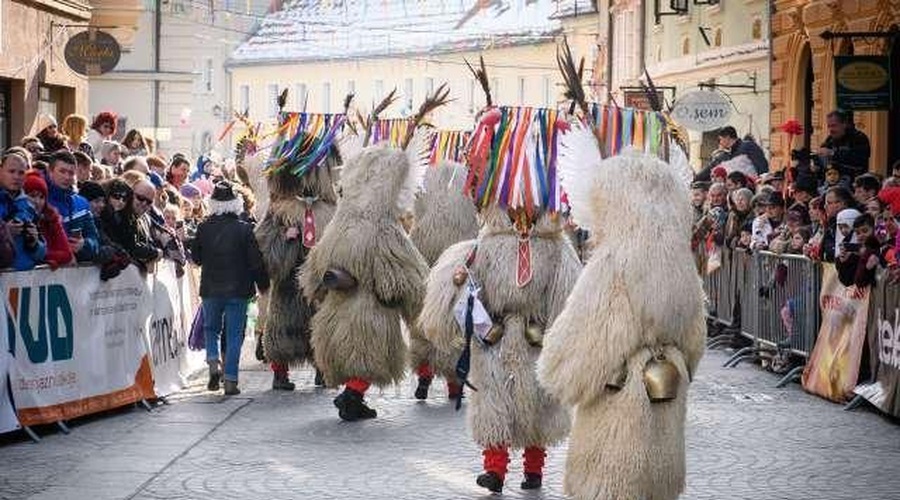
(443, 216)
(369, 271)
(624, 349)
(506, 287)
(301, 176)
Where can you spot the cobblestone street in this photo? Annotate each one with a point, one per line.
(746, 440)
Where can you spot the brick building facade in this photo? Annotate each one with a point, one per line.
(803, 70)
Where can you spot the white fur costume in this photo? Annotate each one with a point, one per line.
(639, 296)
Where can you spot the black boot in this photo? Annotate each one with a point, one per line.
(231, 388)
(532, 481)
(280, 382)
(260, 352)
(422, 389)
(215, 376)
(491, 481)
(320, 378)
(351, 407)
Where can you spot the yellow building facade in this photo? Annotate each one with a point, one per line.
(522, 69)
(803, 85)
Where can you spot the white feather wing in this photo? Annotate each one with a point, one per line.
(350, 145)
(418, 153)
(740, 164)
(578, 162)
(679, 162)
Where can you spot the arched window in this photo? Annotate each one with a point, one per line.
(658, 53)
(717, 41)
(685, 46)
(756, 32)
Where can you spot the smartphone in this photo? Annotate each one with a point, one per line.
(851, 247)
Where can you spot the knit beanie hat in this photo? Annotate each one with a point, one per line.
(34, 181)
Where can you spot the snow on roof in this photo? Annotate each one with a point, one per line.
(570, 8)
(310, 30)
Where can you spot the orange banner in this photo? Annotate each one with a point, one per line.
(833, 367)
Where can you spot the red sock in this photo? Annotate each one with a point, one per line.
(424, 370)
(279, 368)
(534, 460)
(357, 384)
(496, 461)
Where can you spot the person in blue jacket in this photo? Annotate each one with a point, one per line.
(73, 208)
(17, 212)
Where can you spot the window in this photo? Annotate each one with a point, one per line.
(244, 98)
(351, 87)
(379, 90)
(208, 75)
(408, 93)
(326, 97)
(717, 41)
(495, 89)
(300, 98)
(756, 31)
(658, 53)
(547, 91)
(429, 85)
(272, 100)
(471, 95)
(685, 46)
(521, 91)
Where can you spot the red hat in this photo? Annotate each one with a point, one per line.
(891, 197)
(719, 171)
(34, 181)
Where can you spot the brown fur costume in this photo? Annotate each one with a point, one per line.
(509, 408)
(444, 216)
(287, 329)
(356, 333)
(639, 296)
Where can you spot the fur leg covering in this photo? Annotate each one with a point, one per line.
(496, 460)
(510, 408)
(355, 335)
(287, 337)
(625, 447)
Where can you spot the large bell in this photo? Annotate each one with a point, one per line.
(460, 275)
(661, 379)
(534, 334)
(338, 279)
(494, 334)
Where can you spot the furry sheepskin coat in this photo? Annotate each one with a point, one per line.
(286, 338)
(357, 333)
(443, 216)
(639, 297)
(509, 409)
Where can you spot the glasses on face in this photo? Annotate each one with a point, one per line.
(118, 196)
(143, 199)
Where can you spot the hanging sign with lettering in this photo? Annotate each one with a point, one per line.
(92, 52)
(863, 82)
(702, 110)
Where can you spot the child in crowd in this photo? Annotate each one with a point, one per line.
(745, 238)
(49, 224)
(798, 241)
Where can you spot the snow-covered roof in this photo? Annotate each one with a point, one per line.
(569, 8)
(310, 30)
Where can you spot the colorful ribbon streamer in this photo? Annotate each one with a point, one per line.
(304, 141)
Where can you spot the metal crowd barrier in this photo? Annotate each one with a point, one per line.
(770, 299)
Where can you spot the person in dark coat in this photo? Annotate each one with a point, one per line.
(846, 147)
(232, 271)
(728, 139)
(122, 224)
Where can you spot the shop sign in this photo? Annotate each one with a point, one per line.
(702, 110)
(863, 82)
(641, 100)
(92, 52)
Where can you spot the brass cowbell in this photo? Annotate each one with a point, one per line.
(661, 379)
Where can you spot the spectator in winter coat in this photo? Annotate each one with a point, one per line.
(73, 208)
(48, 133)
(103, 128)
(846, 147)
(728, 139)
(50, 227)
(837, 199)
(127, 227)
(18, 213)
(232, 271)
(865, 188)
(764, 227)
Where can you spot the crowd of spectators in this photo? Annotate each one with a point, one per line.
(827, 206)
(71, 194)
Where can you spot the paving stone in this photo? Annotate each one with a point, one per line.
(745, 440)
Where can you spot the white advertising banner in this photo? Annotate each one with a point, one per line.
(173, 309)
(8, 420)
(78, 344)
